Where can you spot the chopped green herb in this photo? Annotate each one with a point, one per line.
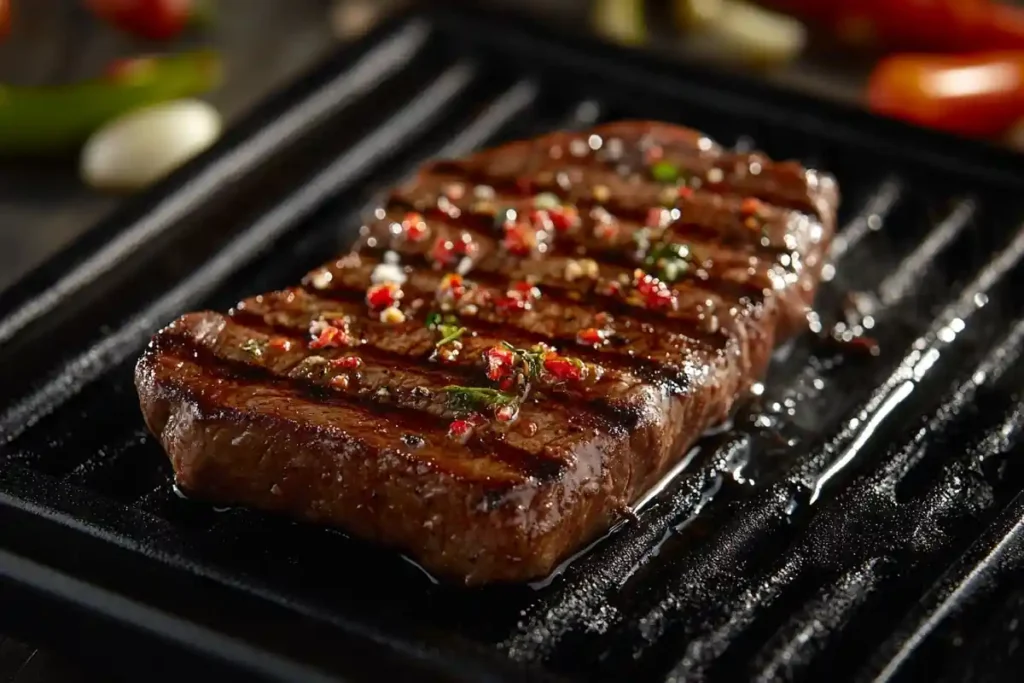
(436, 321)
(254, 347)
(532, 360)
(665, 172)
(670, 260)
(449, 333)
(474, 398)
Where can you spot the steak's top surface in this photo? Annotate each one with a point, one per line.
(565, 314)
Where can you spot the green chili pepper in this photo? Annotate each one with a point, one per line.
(53, 119)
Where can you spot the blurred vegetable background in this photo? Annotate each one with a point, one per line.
(78, 76)
(953, 65)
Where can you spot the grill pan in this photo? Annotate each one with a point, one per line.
(860, 520)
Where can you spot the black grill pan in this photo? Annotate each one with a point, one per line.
(861, 520)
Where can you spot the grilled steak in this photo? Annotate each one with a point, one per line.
(521, 344)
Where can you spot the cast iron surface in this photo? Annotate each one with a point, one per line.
(860, 521)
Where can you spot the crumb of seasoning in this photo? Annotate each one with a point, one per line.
(392, 315)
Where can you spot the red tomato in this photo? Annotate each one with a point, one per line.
(979, 94)
(152, 19)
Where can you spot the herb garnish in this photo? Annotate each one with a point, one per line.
(473, 398)
(449, 333)
(670, 260)
(532, 360)
(254, 347)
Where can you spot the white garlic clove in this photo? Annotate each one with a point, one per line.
(141, 147)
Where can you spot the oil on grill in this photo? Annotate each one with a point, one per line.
(859, 520)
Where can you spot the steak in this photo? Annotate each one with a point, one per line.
(521, 343)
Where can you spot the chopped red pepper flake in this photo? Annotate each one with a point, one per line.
(541, 219)
(525, 288)
(519, 296)
(414, 227)
(280, 344)
(685, 192)
(750, 206)
(520, 239)
(564, 217)
(459, 429)
(500, 363)
(655, 217)
(383, 295)
(653, 154)
(568, 369)
(347, 363)
(606, 231)
(443, 251)
(653, 292)
(330, 337)
(590, 336)
(452, 286)
(447, 252)
(506, 413)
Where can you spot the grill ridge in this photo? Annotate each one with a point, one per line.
(831, 528)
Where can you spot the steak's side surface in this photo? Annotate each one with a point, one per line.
(522, 343)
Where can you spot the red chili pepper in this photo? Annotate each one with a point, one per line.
(685, 192)
(152, 19)
(347, 363)
(980, 94)
(500, 362)
(563, 368)
(383, 295)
